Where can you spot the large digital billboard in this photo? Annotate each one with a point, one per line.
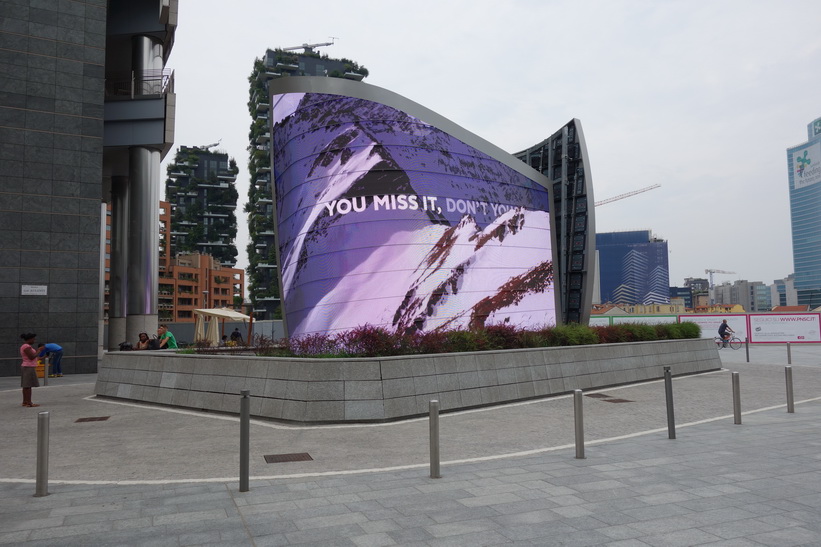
(385, 218)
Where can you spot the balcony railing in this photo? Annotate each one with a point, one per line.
(140, 83)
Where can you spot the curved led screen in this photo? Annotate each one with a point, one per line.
(385, 219)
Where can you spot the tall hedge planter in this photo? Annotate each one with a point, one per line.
(381, 389)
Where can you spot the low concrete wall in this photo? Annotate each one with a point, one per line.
(380, 389)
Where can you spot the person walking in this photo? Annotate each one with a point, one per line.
(56, 353)
(28, 368)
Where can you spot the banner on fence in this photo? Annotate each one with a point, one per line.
(780, 328)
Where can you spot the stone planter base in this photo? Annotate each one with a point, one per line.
(390, 388)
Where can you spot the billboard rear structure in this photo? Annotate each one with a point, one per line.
(390, 215)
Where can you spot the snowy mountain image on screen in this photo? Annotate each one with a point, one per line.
(386, 220)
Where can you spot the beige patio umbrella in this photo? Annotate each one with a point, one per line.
(213, 316)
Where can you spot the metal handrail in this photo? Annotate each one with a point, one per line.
(140, 83)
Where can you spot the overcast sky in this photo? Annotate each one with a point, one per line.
(702, 97)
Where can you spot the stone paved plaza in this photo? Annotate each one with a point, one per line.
(160, 476)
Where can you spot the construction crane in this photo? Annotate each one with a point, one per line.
(212, 145)
(712, 285)
(627, 195)
(309, 48)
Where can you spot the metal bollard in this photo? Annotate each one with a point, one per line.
(747, 347)
(434, 440)
(668, 392)
(789, 354)
(736, 399)
(244, 439)
(41, 488)
(578, 413)
(790, 400)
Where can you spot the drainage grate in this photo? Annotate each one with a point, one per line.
(598, 395)
(617, 401)
(94, 419)
(282, 458)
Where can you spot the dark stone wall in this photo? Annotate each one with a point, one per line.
(52, 56)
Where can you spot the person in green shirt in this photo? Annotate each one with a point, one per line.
(167, 340)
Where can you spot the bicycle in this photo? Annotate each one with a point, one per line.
(734, 342)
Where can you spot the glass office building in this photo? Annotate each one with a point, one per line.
(804, 163)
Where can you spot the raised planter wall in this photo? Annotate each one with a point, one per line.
(380, 389)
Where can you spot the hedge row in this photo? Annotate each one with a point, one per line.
(370, 341)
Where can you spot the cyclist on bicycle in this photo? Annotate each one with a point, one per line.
(725, 331)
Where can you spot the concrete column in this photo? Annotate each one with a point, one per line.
(147, 64)
(118, 273)
(143, 201)
(143, 241)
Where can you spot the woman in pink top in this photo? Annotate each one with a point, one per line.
(28, 368)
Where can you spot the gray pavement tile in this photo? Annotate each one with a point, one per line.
(719, 516)
(461, 527)
(680, 538)
(787, 537)
(462, 513)
(326, 534)
(199, 538)
(11, 538)
(487, 537)
(68, 531)
(669, 524)
(271, 526)
(495, 499)
(379, 526)
(578, 539)
(525, 532)
(572, 511)
(407, 535)
(379, 539)
(739, 528)
(566, 501)
(329, 520)
(620, 531)
(273, 540)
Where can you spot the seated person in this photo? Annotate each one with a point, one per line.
(142, 343)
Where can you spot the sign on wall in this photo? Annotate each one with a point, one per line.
(709, 324)
(806, 165)
(794, 327)
(34, 290)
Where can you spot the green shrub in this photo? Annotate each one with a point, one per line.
(462, 340)
(640, 332)
(572, 335)
(690, 329)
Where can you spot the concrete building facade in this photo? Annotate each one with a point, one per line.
(85, 107)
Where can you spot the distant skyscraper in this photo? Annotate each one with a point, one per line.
(804, 163)
(633, 268)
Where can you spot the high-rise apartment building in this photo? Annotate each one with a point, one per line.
(86, 114)
(804, 161)
(187, 281)
(201, 191)
(633, 268)
(263, 284)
